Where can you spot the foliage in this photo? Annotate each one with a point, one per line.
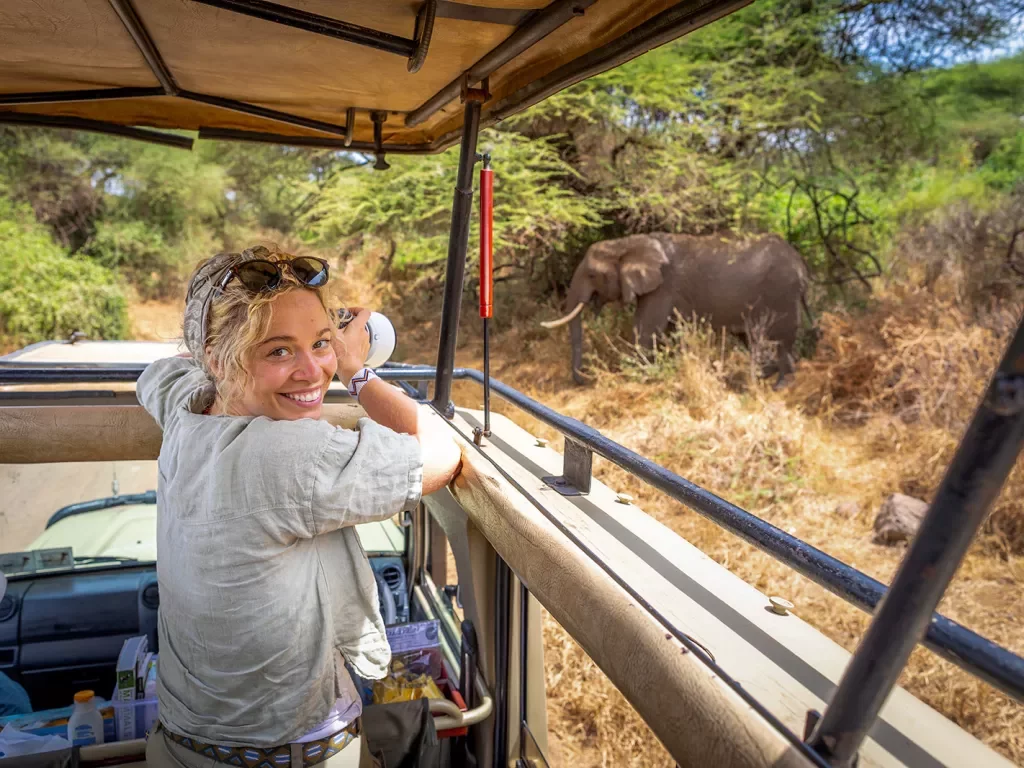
(916, 34)
(411, 204)
(978, 103)
(1004, 168)
(812, 120)
(172, 191)
(271, 185)
(45, 294)
(137, 249)
(52, 173)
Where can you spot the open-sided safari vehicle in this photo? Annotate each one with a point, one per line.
(720, 674)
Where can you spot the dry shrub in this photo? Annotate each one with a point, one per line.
(918, 361)
(971, 256)
(910, 374)
(590, 724)
(694, 362)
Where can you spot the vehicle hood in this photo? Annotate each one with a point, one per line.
(128, 531)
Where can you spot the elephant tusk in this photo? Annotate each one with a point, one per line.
(563, 320)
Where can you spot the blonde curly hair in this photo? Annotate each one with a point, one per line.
(238, 319)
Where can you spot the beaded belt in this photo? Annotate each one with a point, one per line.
(312, 752)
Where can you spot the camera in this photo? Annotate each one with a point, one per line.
(382, 336)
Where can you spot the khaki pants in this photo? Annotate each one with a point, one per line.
(161, 752)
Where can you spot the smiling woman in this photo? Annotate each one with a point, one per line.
(267, 600)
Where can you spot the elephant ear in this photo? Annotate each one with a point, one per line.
(640, 271)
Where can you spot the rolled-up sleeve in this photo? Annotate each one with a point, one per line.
(374, 479)
(167, 385)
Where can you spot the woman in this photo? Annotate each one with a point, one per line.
(265, 591)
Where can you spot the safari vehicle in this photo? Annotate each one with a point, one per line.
(721, 674)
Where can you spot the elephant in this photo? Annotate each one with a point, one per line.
(729, 281)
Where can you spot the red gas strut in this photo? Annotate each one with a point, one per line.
(486, 282)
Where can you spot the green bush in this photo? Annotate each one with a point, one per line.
(1004, 168)
(45, 294)
(139, 252)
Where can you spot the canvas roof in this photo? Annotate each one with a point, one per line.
(55, 52)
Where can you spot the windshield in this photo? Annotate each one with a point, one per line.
(101, 513)
(60, 515)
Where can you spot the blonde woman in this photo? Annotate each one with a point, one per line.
(265, 591)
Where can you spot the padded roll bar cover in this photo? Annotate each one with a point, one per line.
(59, 433)
(696, 716)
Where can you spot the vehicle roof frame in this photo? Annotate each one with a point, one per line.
(666, 26)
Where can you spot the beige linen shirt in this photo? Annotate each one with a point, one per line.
(265, 589)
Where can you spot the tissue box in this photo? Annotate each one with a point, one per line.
(54, 722)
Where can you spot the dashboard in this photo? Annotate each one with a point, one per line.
(62, 632)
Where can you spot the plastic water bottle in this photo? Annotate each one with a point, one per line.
(85, 725)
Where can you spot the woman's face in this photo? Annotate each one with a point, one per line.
(293, 365)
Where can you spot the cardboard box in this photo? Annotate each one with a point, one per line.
(133, 654)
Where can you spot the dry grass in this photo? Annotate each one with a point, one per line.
(878, 410)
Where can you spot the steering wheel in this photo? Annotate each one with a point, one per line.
(386, 600)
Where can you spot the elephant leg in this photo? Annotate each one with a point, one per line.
(785, 361)
(653, 312)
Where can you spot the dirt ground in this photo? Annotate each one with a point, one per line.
(813, 472)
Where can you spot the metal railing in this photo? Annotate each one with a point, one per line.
(952, 641)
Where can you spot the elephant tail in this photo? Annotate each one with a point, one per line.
(807, 311)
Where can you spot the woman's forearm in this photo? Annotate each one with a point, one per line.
(389, 407)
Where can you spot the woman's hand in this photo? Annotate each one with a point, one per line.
(352, 345)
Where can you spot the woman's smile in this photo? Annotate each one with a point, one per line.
(305, 398)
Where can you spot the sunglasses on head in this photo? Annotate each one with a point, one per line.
(263, 276)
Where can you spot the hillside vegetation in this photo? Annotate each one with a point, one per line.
(895, 166)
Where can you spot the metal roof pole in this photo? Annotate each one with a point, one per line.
(144, 42)
(983, 460)
(542, 24)
(96, 126)
(458, 240)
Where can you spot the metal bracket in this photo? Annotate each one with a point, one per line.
(813, 716)
(379, 118)
(481, 94)
(1007, 394)
(350, 125)
(577, 467)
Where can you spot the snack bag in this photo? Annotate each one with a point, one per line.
(403, 684)
(415, 664)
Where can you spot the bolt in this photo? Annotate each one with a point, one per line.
(1008, 394)
(780, 605)
(624, 498)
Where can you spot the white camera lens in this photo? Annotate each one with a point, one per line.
(382, 337)
(382, 340)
